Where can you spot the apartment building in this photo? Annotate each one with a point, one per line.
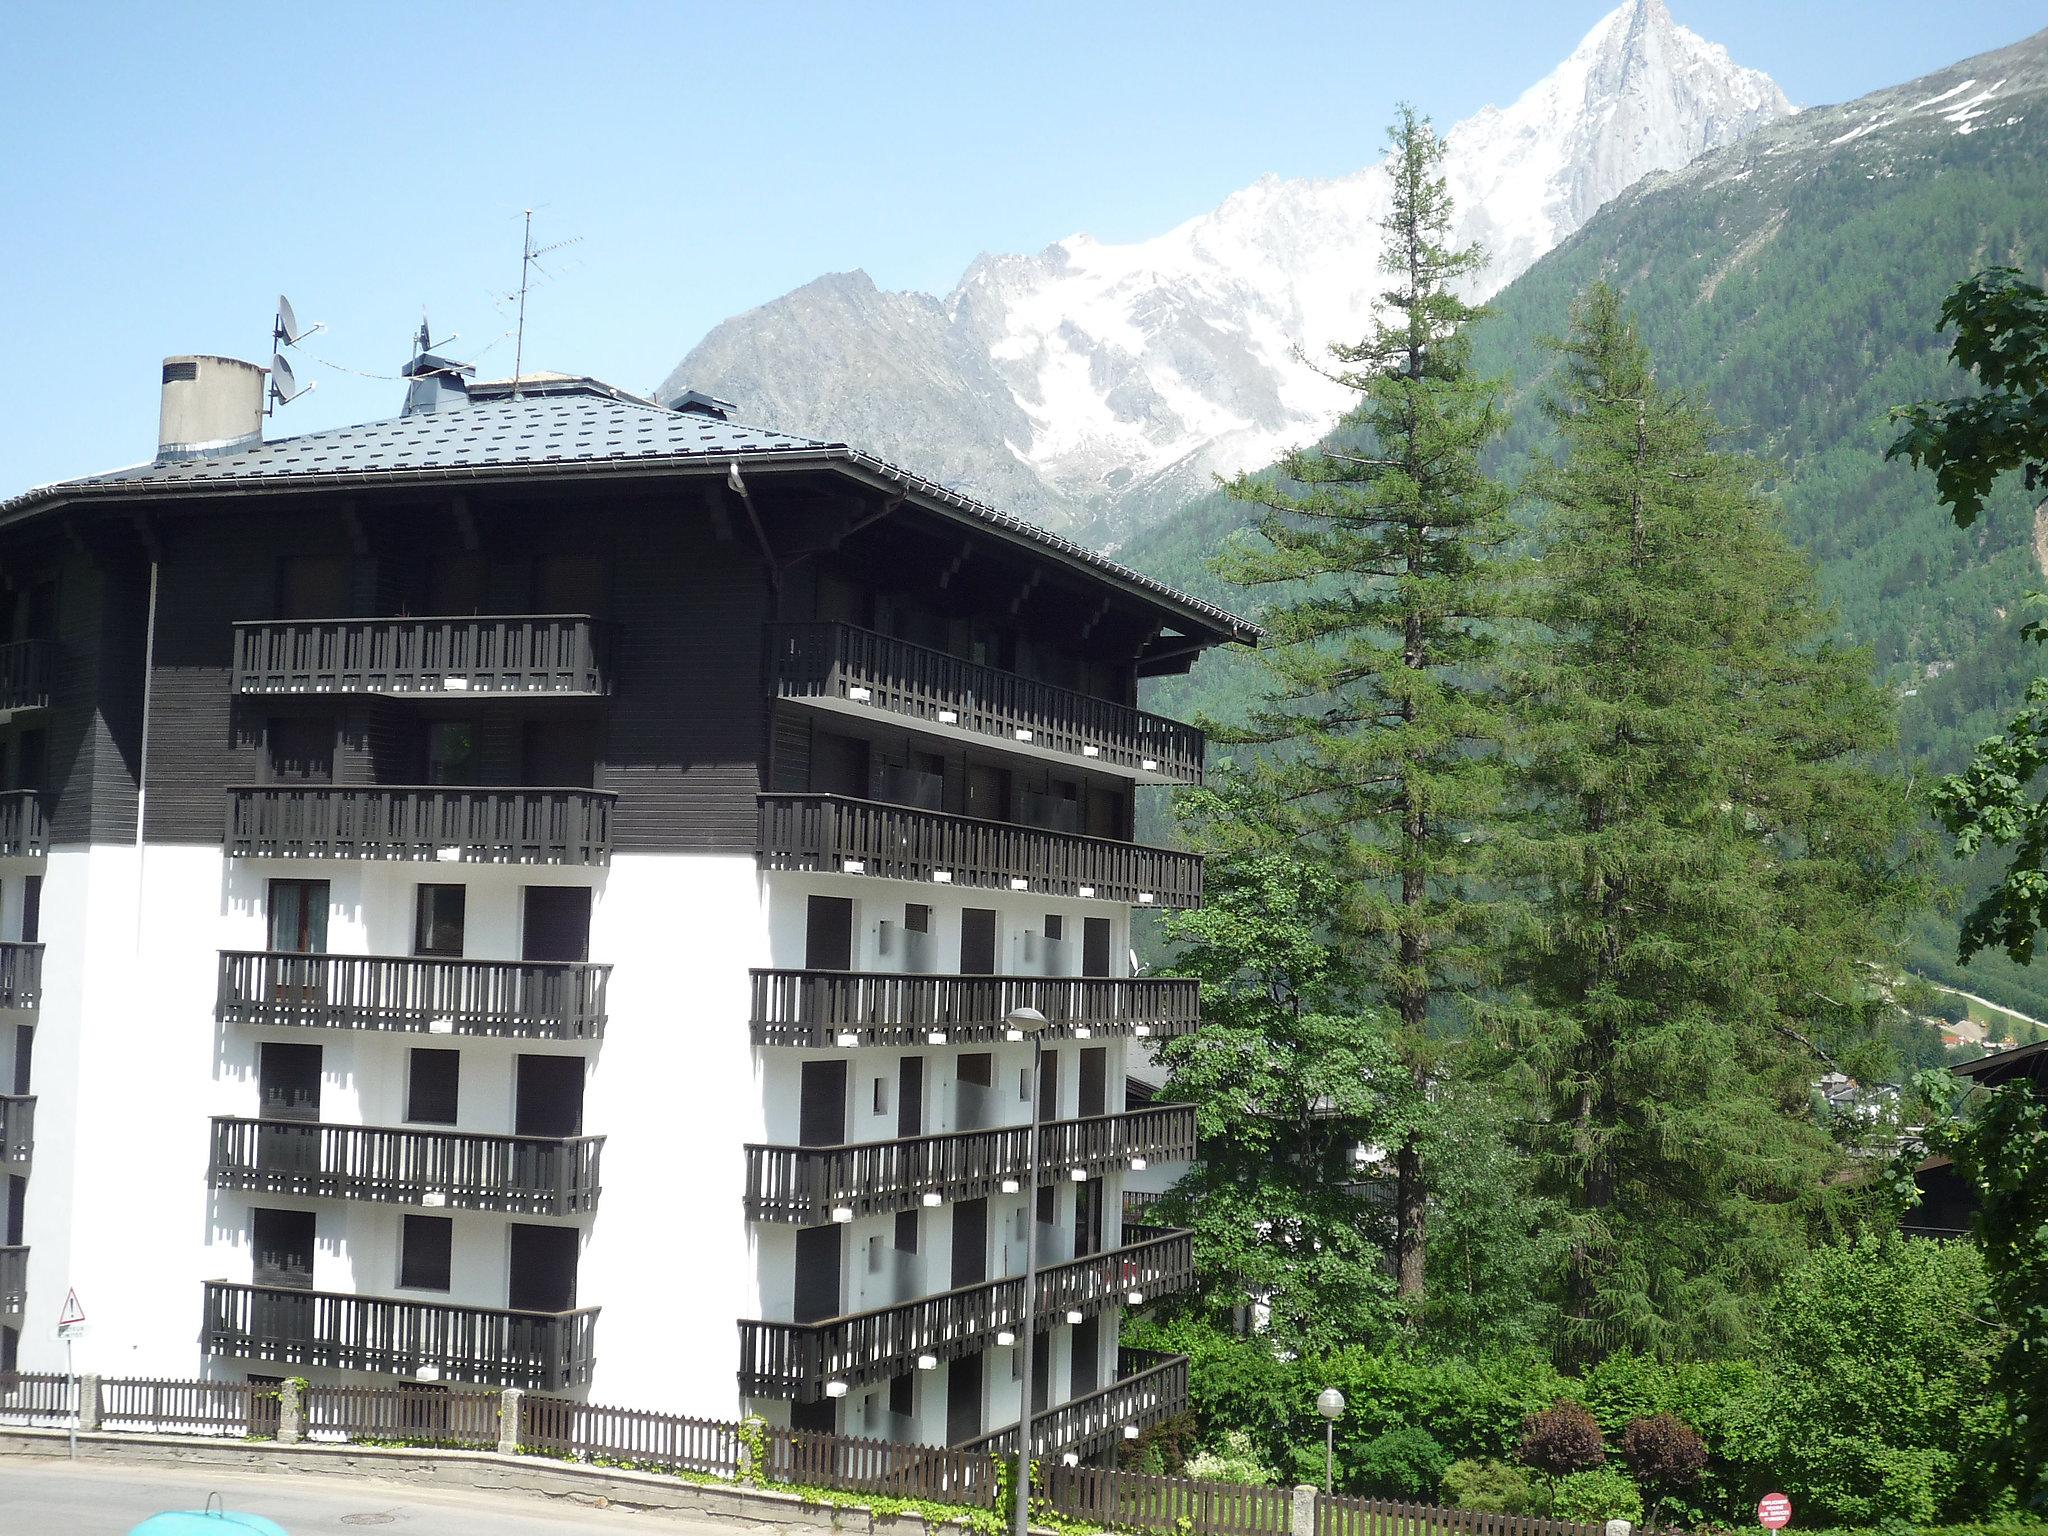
(534, 892)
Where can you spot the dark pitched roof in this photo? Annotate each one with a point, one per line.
(564, 424)
(2003, 1066)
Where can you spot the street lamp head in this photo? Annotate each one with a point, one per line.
(1024, 1022)
(1330, 1404)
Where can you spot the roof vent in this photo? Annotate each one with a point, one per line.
(693, 402)
(436, 383)
(211, 405)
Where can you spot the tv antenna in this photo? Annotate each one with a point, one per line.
(529, 258)
(285, 331)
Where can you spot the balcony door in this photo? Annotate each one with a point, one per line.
(17, 1203)
(910, 1096)
(963, 1399)
(1087, 1218)
(299, 749)
(818, 1251)
(978, 942)
(24, 1056)
(821, 1106)
(288, 1099)
(828, 933)
(555, 923)
(543, 1270)
(974, 1076)
(560, 754)
(988, 791)
(298, 916)
(1095, 946)
(549, 1097)
(970, 1243)
(281, 1248)
(1085, 1372)
(1094, 1080)
(31, 909)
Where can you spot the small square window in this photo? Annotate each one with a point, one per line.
(433, 1087)
(917, 917)
(426, 1253)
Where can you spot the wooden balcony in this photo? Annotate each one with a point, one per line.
(523, 655)
(796, 1360)
(1149, 1388)
(529, 1175)
(25, 670)
(13, 1281)
(807, 1184)
(21, 975)
(505, 999)
(856, 671)
(830, 1008)
(23, 833)
(542, 1351)
(422, 822)
(832, 834)
(17, 1131)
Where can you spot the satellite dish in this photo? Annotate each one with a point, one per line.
(286, 331)
(284, 385)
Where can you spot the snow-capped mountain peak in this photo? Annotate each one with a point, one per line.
(1091, 382)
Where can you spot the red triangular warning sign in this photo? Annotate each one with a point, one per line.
(73, 1312)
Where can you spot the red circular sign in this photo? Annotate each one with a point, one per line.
(1774, 1511)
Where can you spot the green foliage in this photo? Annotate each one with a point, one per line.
(1232, 1460)
(1406, 1463)
(1489, 1486)
(1600, 1493)
(1710, 864)
(2002, 1153)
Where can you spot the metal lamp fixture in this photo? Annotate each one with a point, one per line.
(1330, 1404)
(1027, 1024)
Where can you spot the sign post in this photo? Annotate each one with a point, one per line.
(71, 1326)
(1774, 1511)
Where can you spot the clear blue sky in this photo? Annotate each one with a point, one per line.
(165, 170)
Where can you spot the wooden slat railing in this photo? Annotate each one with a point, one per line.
(25, 670)
(426, 822)
(834, 834)
(17, 1129)
(797, 1359)
(543, 1350)
(1134, 1501)
(805, 1184)
(1343, 1516)
(13, 1279)
(858, 666)
(511, 654)
(1149, 1388)
(168, 1407)
(510, 999)
(412, 1414)
(33, 1397)
(21, 975)
(815, 1008)
(668, 1442)
(24, 833)
(530, 1175)
(886, 1467)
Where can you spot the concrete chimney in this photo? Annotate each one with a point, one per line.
(210, 405)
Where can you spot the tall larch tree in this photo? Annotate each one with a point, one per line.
(1377, 736)
(1713, 868)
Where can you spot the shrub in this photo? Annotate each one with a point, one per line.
(1234, 1461)
(1490, 1487)
(1407, 1463)
(1665, 1455)
(1602, 1493)
(1562, 1439)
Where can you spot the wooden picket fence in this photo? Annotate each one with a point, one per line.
(164, 1406)
(654, 1442)
(887, 1467)
(1136, 1501)
(414, 1415)
(1341, 1516)
(38, 1399)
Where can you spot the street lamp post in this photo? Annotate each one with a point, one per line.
(1024, 1023)
(1330, 1404)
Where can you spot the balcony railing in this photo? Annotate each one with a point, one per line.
(867, 671)
(1149, 1388)
(544, 1351)
(523, 654)
(21, 975)
(832, 834)
(531, 1175)
(23, 833)
(796, 1360)
(471, 826)
(510, 999)
(808, 1184)
(827, 1008)
(17, 1130)
(13, 1281)
(25, 667)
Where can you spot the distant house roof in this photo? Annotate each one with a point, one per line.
(563, 422)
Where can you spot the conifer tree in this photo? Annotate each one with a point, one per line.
(1379, 732)
(1713, 867)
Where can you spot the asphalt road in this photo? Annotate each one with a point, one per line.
(92, 1498)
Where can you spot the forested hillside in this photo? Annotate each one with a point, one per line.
(1794, 280)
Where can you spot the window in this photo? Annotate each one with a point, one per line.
(451, 753)
(876, 1248)
(437, 920)
(917, 918)
(978, 941)
(32, 909)
(881, 1095)
(828, 933)
(906, 1231)
(901, 1390)
(298, 916)
(1055, 928)
(432, 1086)
(427, 1253)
